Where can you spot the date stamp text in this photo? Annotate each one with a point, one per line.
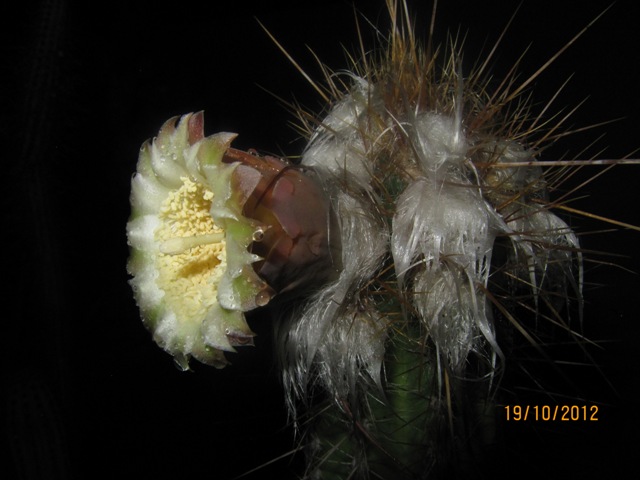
(551, 413)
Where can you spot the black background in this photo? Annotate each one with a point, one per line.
(86, 393)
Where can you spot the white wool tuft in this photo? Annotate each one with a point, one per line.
(334, 329)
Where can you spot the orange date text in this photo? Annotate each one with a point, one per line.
(551, 413)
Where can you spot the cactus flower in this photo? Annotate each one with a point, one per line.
(215, 232)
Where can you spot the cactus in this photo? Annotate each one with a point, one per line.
(397, 254)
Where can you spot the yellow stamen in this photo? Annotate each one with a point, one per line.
(192, 251)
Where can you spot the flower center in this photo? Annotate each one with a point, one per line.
(192, 254)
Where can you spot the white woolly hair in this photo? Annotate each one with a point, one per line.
(338, 146)
(407, 157)
(336, 340)
(441, 238)
(445, 233)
